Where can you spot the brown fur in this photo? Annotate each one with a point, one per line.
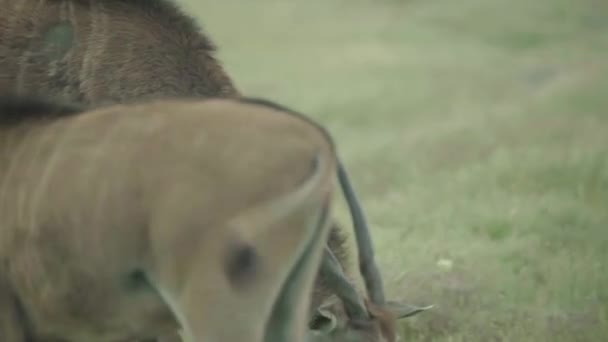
(385, 320)
(100, 51)
(117, 221)
(337, 242)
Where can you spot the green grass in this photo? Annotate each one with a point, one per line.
(476, 132)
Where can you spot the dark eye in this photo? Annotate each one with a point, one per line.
(241, 264)
(137, 280)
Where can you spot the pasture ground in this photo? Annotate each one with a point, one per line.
(476, 132)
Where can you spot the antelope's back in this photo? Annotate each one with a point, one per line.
(105, 51)
(234, 153)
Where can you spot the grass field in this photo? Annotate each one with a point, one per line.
(476, 132)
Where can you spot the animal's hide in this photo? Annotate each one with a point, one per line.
(108, 217)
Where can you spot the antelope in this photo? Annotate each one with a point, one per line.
(102, 52)
(129, 221)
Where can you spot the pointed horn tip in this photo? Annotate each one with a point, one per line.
(404, 310)
(419, 310)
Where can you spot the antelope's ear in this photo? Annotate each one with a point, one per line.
(402, 309)
(326, 318)
(323, 321)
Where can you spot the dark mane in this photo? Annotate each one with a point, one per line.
(276, 106)
(16, 110)
(166, 12)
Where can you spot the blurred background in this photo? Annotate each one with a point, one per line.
(476, 133)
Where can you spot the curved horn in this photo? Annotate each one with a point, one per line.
(403, 309)
(344, 289)
(367, 264)
(297, 286)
